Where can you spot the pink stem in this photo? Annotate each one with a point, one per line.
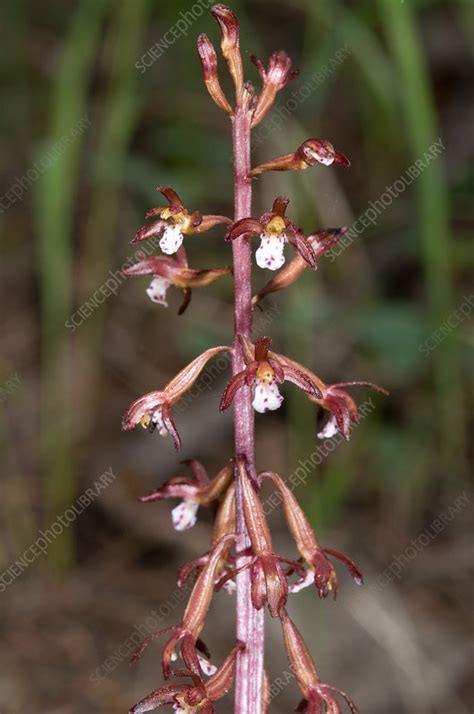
(250, 622)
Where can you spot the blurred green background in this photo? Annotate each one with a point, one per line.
(88, 132)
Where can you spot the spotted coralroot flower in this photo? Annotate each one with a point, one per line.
(269, 583)
(200, 695)
(275, 229)
(275, 78)
(224, 525)
(317, 696)
(187, 634)
(174, 271)
(153, 410)
(321, 571)
(343, 409)
(193, 492)
(320, 242)
(174, 222)
(310, 153)
(263, 373)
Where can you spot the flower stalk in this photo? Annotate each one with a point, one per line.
(241, 556)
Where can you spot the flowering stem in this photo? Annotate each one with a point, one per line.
(250, 622)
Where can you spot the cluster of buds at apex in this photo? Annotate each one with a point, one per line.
(275, 78)
(269, 581)
(321, 571)
(174, 222)
(275, 229)
(316, 694)
(153, 410)
(224, 524)
(168, 271)
(187, 634)
(200, 695)
(193, 492)
(311, 152)
(264, 372)
(321, 242)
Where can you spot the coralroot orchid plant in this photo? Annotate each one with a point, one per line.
(241, 557)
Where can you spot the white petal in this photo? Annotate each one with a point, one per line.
(325, 159)
(230, 586)
(271, 253)
(157, 418)
(178, 709)
(207, 667)
(266, 397)
(172, 239)
(329, 429)
(157, 291)
(304, 583)
(184, 515)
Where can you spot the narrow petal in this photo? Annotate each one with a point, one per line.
(244, 227)
(302, 380)
(152, 229)
(161, 696)
(236, 383)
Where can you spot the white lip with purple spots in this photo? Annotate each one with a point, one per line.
(172, 239)
(271, 253)
(184, 515)
(267, 396)
(157, 291)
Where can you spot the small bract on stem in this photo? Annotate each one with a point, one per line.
(241, 557)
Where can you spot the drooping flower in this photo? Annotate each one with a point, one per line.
(320, 242)
(187, 634)
(269, 584)
(193, 492)
(310, 153)
(316, 694)
(153, 410)
(275, 229)
(198, 696)
(168, 271)
(263, 373)
(321, 571)
(343, 409)
(174, 222)
(275, 78)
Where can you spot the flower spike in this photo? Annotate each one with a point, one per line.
(230, 30)
(193, 492)
(311, 152)
(153, 410)
(275, 230)
(320, 242)
(175, 222)
(320, 568)
(275, 78)
(315, 693)
(264, 372)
